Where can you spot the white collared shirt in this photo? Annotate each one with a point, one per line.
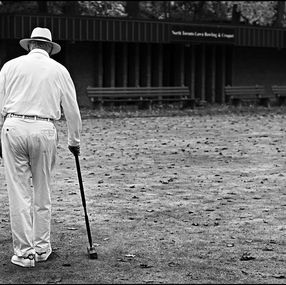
(37, 85)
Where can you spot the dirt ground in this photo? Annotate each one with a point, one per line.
(189, 196)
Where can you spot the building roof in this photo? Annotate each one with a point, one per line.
(86, 28)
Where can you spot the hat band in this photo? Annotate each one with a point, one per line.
(41, 38)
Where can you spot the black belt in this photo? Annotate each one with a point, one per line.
(11, 115)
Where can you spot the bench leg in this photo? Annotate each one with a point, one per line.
(192, 103)
(181, 103)
(236, 102)
(160, 101)
(265, 102)
(143, 104)
(101, 106)
(97, 106)
(281, 101)
(268, 103)
(184, 103)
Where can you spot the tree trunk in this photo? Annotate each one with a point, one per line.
(199, 11)
(71, 8)
(43, 7)
(132, 9)
(280, 13)
(235, 15)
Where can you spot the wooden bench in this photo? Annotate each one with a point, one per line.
(239, 94)
(139, 95)
(279, 92)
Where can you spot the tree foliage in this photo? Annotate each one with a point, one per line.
(238, 12)
(103, 8)
(256, 12)
(249, 12)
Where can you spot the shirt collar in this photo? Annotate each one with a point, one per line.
(38, 50)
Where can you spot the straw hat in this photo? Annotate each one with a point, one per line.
(42, 35)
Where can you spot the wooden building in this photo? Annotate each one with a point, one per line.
(120, 52)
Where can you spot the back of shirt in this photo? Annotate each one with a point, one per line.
(35, 84)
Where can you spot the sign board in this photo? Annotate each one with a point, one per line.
(202, 34)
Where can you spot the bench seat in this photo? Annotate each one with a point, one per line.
(238, 94)
(101, 95)
(279, 92)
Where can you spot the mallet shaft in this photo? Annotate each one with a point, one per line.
(83, 200)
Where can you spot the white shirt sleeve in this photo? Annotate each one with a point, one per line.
(71, 109)
(2, 93)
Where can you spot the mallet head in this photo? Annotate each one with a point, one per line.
(92, 253)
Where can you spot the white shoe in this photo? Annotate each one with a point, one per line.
(42, 256)
(28, 261)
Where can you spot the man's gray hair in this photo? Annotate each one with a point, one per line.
(39, 44)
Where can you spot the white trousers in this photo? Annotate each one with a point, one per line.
(29, 154)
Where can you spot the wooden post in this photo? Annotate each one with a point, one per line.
(99, 68)
(66, 60)
(149, 69)
(149, 66)
(167, 69)
(124, 65)
(159, 70)
(193, 72)
(137, 66)
(160, 65)
(182, 65)
(213, 73)
(203, 74)
(223, 62)
(99, 65)
(181, 82)
(179, 65)
(112, 64)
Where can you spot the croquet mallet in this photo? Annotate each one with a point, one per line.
(91, 250)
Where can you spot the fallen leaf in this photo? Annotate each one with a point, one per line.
(143, 265)
(267, 249)
(246, 256)
(54, 280)
(279, 276)
(172, 264)
(130, 255)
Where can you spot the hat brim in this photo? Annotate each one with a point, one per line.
(25, 42)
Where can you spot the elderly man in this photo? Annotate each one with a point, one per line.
(33, 88)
